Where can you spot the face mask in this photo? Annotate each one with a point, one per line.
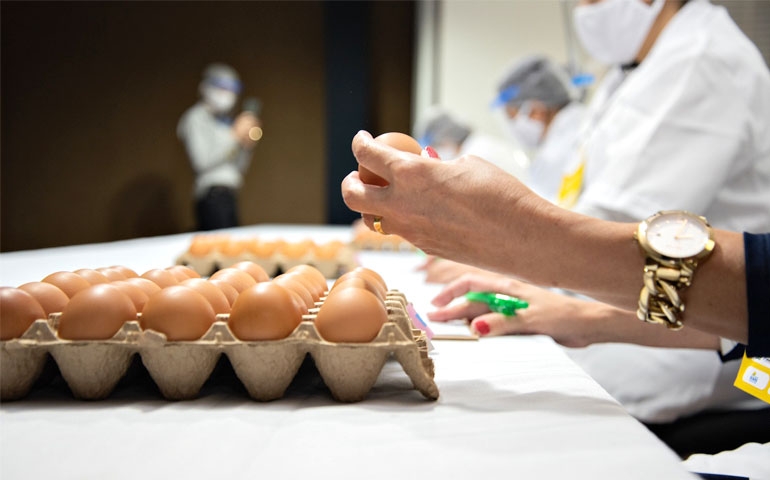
(219, 99)
(524, 129)
(612, 31)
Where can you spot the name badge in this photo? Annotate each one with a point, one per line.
(754, 377)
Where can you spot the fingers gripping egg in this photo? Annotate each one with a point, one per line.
(396, 140)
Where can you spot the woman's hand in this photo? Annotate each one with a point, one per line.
(466, 209)
(567, 320)
(439, 270)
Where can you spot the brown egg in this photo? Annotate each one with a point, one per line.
(356, 282)
(351, 315)
(292, 282)
(124, 270)
(179, 312)
(148, 286)
(202, 245)
(257, 273)
(261, 248)
(96, 313)
(265, 311)
(235, 277)
(183, 272)
(396, 140)
(329, 250)
(316, 291)
(69, 283)
(371, 274)
(92, 276)
(18, 310)
(230, 292)
(113, 274)
(163, 278)
(233, 248)
(48, 295)
(134, 292)
(370, 280)
(311, 272)
(213, 294)
(299, 302)
(295, 250)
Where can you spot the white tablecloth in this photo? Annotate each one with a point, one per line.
(511, 407)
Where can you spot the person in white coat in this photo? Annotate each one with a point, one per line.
(219, 146)
(688, 127)
(681, 122)
(540, 111)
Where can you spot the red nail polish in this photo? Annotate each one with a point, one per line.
(482, 327)
(431, 152)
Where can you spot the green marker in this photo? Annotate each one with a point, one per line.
(498, 302)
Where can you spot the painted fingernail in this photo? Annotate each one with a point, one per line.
(431, 152)
(482, 327)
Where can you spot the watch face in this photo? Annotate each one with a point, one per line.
(677, 234)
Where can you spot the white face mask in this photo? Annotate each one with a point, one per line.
(613, 31)
(525, 130)
(219, 99)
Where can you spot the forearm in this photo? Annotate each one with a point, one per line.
(611, 324)
(601, 259)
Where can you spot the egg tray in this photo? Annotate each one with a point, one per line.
(93, 368)
(207, 264)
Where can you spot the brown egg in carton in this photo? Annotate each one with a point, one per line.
(93, 368)
(208, 253)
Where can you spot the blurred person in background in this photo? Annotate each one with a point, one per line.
(219, 146)
(452, 137)
(539, 109)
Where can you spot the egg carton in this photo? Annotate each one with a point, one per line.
(92, 369)
(207, 264)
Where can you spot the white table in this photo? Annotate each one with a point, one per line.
(511, 407)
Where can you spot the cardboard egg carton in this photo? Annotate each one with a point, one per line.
(92, 369)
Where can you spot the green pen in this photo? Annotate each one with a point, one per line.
(498, 302)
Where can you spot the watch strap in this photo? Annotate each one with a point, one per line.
(660, 301)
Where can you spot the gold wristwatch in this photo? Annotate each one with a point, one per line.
(673, 242)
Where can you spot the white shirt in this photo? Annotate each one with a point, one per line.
(215, 155)
(559, 146)
(687, 129)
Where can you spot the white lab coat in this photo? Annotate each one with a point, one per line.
(687, 129)
(558, 148)
(512, 160)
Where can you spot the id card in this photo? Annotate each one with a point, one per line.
(754, 377)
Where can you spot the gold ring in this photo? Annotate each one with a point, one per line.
(378, 226)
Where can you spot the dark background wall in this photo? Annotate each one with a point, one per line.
(92, 92)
